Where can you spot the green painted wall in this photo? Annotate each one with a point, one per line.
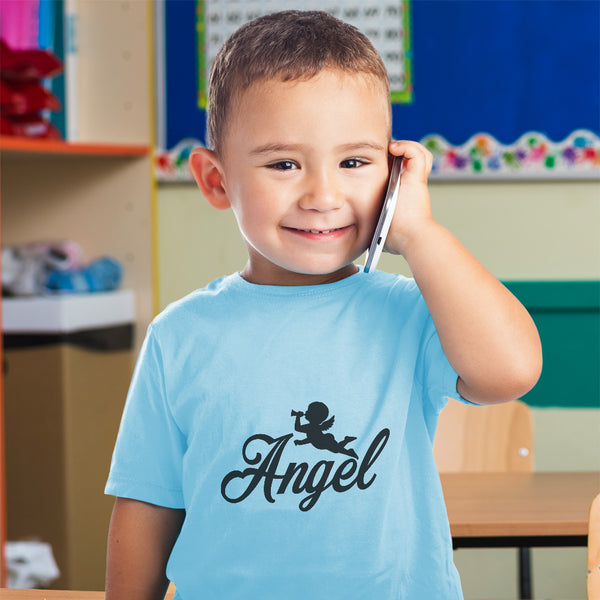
(567, 315)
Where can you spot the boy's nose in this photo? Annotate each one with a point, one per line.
(321, 193)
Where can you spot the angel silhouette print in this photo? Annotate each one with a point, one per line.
(316, 414)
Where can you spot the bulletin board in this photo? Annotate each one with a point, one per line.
(494, 88)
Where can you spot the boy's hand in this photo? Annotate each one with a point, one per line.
(413, 210)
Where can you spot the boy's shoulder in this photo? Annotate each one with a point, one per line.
(384, 280)
(198, 301)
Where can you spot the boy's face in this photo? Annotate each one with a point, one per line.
(304, 167)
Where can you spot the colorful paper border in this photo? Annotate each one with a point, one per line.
(533, 155)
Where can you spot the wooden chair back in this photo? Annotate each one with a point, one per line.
(497, 438)
(593, 557)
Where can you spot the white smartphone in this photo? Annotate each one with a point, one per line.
(387, 213)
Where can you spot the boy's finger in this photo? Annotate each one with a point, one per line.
(418, 159)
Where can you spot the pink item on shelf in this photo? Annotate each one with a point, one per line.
(19, 26)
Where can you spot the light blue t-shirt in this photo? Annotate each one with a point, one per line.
(295, 426)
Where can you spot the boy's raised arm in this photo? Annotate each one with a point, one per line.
(486, 333)
(140, 540)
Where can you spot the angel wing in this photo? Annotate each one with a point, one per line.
(327, 424)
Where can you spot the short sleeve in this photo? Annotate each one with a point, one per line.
(148, 455)
(437, 376)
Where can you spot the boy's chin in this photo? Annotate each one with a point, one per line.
(324, 265)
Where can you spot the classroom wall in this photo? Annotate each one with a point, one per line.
(520, 231)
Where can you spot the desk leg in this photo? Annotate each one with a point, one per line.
(525, 592)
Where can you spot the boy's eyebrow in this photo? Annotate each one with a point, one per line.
(366, 145)
(351, 146)
(267, 148)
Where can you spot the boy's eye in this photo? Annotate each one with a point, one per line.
(283, 165)
(352, 163)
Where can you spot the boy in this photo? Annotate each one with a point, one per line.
(216, 470)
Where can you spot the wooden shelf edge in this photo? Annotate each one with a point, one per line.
(18, 145)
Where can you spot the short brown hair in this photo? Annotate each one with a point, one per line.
(289, 45)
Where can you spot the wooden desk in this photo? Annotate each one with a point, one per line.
(519, 509)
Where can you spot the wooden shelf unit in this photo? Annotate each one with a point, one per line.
(97, 190)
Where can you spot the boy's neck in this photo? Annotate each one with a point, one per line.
(290, 278)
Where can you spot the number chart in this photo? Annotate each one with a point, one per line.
(386, 24)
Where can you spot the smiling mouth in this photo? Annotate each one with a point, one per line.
(317, 231)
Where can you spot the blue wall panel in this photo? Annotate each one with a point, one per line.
(504, 67)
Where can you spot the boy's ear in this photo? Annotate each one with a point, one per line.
(206, 168)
